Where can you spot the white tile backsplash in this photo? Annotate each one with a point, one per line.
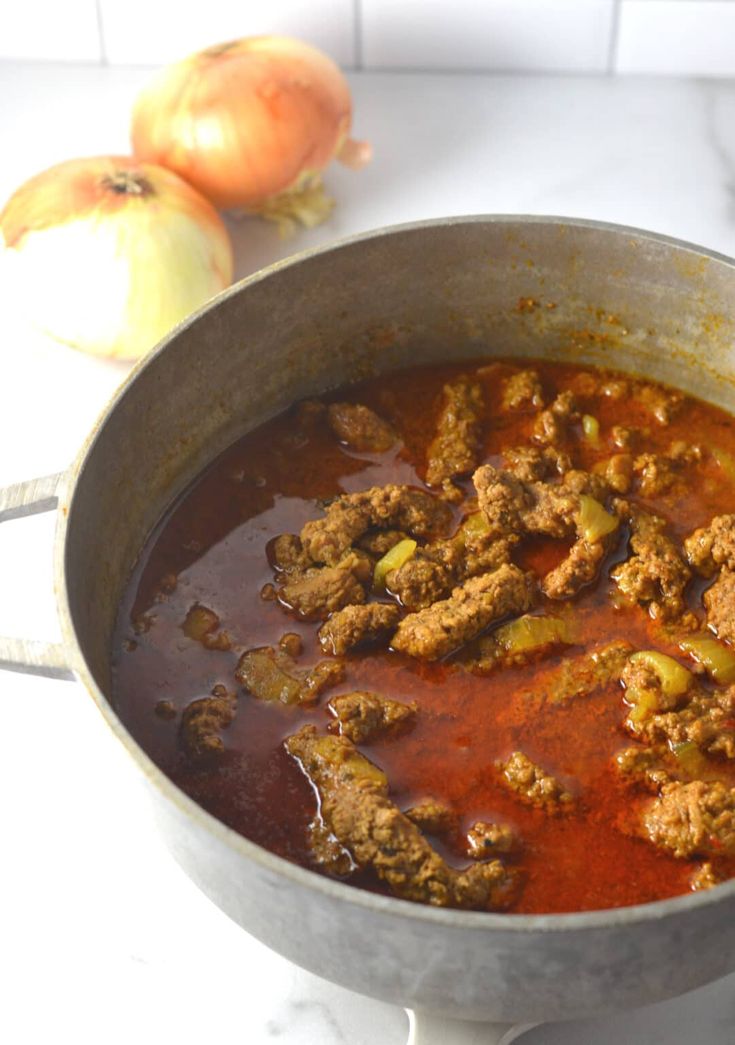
(525, 35)
(60, 30)
(677, 37)
(143, 32)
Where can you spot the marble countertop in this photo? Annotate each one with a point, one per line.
(103, 937)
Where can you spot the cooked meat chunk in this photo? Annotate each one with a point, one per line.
(503, 498)
(624, 438)
(719, 601)
(455, 449)
(659, 473)
(706, 719)
(360, 428)
(361, 716)
(655, 575)
(644, 766)
(617, 472)
(203, 721)
(592, 483)
(662, 403)
(484, 840)
(202, 625)
(394, 507)
(432, 817)
(691, 819)
(554, 511)
(552, 424)
(615, 388)
(523, 391)
(581, 676)
(712, 546)
(356, 809)
(322, 590)
(533, 785)
(532, 464)
(291, 643)
(165, 709)
(381, 541)
(434, 570)
(270, 674)
(420, 582)
(704, 877)
(439, 629)
(287, 555)
(326, 851)
(354, 625)
(578, 569)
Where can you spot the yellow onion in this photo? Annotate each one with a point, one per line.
(107, 253)
(251, 124)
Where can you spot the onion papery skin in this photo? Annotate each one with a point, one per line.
(246, 122)
(107, 254)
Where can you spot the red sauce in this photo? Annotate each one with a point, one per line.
(214, 540)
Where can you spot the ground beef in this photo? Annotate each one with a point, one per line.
(579, 568)
(355, 807)
(655, 575)
(439, 629)
(433, 817)
(512, 506)
(552, 424)
(640, 676)
(523, 391)
(712, 546)
(354, 625)
(691, 819)
(270, 674)
(592, 483)
(534, 785)
(390, 507)
(624, 438)
(203, 721)
(456, 447)
(580, 676)
(656, 474)
(706, 719)
(360, 428)
(532, 464)
(485, 840)
(704, 877)
(319, 591)
(379, 542)
(719, 601)
(617, 472)
(362, 716)
(662, 403)
(286, 554)
(434, 570)
(643, 766)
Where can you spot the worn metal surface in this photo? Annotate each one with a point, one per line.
(438, 290)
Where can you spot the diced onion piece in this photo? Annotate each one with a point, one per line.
(200, 622)
(675, 679)
(725, 460)
(528, 633)
(713, 655)
(476, 523)
(591, 428)
(593, 522)
(689, 757)
(644, 705)
(393, 559)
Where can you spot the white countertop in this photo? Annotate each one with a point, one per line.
(102, 938)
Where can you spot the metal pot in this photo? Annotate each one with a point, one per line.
(449, 289)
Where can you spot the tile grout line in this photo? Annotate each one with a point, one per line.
(104, 60)
(612, 52)
(356, 33)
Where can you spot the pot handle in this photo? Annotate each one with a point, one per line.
(425, 1028)
(49, 659)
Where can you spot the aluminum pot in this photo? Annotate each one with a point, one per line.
(448, 289)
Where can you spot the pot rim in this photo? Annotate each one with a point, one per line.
(290, 873)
